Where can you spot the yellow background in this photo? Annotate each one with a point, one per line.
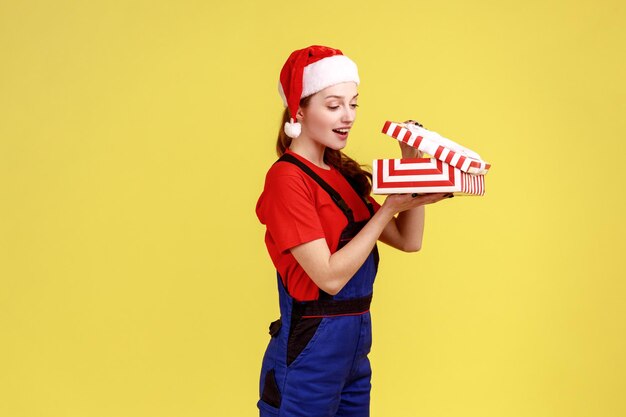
(134, 140)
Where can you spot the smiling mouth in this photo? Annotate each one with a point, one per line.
(341, 131)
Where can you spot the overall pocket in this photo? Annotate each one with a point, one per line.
(301, 334)
(271, 393)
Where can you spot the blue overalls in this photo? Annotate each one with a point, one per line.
(316, 363)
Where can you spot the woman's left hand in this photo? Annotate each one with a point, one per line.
(409, 151)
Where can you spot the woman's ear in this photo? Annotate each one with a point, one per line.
(299, 114)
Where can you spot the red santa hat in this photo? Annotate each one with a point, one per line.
(308, 71)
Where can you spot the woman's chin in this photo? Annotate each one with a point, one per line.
(338, 146)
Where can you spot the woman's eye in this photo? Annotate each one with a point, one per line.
(354, 106)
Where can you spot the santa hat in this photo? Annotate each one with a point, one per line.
(308, 71)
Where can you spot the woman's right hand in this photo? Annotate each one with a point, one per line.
(402, 202)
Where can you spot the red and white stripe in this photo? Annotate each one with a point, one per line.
(423, 175)
(434, 144)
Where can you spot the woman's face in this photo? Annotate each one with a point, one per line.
(330, 114)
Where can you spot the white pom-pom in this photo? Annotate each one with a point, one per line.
(293, 129)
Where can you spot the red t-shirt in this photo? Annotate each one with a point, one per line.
(296, 210)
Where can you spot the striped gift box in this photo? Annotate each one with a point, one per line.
(423, 175)
(437, 146)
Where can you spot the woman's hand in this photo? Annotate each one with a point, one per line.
(397, 203)
(409, 152)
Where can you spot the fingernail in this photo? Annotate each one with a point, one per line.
(414, 195)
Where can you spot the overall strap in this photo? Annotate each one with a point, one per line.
(369, 205)
(331, 191)
(336, 197)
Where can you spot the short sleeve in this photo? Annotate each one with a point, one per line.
(288, 210)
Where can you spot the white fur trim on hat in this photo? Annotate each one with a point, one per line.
(328, 71)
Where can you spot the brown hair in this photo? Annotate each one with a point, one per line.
(360, 179)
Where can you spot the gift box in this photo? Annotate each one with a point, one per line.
(437, 146)
(452, 168)
(423, 175)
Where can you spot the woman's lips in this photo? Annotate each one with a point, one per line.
(340, 134)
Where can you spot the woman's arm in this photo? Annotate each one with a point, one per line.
(406, 231)
(331, 272)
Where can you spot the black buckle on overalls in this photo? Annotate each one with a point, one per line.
(275, 327)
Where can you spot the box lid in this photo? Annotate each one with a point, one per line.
(437, 146)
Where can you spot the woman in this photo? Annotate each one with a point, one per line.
(322, 227)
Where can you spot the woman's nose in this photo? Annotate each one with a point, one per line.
(348, 114)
